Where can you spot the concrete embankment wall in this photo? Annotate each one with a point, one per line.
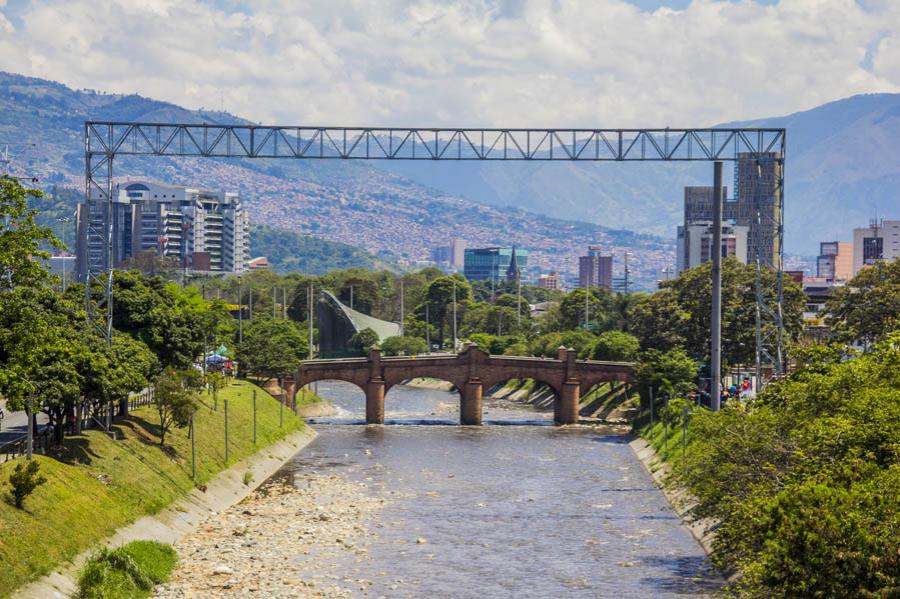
(183, 516)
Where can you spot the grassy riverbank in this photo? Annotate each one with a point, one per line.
(96, 485)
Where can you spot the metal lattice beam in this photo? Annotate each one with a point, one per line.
(398, 143)
(104, 140)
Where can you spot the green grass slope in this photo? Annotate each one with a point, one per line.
(96, 485)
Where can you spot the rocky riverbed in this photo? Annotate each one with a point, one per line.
(267, 545)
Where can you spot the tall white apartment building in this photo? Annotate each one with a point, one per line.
(204, 230)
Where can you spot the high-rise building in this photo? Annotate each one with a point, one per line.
(495, 263)
(550, 281)
(835, 261)
(595, 269)
(440, 254)
(758, 198)
(457, 252)
(879, 241)
(202, 229)
(695, 243)
(755, 206)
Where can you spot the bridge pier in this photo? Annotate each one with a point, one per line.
(375, 401)
(470, 397)
(566, 409)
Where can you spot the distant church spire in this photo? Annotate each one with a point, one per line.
(513, 273)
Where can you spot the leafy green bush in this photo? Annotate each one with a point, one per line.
(23, 481)
(407, 346)
(128, 572)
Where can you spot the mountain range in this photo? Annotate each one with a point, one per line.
(842, 169)
(348, 201)
(843, 166)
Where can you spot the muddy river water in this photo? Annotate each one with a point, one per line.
(515, 508)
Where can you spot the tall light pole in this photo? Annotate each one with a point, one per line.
(402, 308)
(65, 222)
(454, 315)
(715, 353)
(309, 317)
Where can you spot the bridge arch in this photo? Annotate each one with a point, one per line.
(471, 371)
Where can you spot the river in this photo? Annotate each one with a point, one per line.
(530, 510)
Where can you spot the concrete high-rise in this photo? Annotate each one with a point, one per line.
(835, 261)
(695, 244)
(203, 230)
(755, 206)
(595, 269)
(879, 241)
(758, 202)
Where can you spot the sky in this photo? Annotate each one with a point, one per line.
(507, 63)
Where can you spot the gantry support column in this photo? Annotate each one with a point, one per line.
(470, 410)
(569, 403)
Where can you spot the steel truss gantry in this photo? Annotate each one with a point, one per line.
(104, 140)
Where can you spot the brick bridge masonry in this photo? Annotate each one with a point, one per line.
(471, 371)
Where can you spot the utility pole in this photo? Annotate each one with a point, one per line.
(587, 303)
(351, 297)
(284, 303)
(240, 314)
(65, 222)
(309, 317)
(402, 309)
(716, 334)
(626, 271)
(518, 302)
(454, 315)
(427, 327)
(274, 303)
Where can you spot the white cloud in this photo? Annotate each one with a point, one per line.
(469, 62)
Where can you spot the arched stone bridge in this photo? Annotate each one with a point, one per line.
(471, 371)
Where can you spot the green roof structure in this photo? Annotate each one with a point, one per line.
(338, 322)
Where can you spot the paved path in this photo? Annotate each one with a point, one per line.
(14, 424)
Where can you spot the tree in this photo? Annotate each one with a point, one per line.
(170, 321)
(362, 341)
(403, 346)
(615, 346)
(174, 401)
(658, 321)
(867, 309)
(23, 480)
(271, 348)
(600, 305)
(22, 241)
(439, 299)
(673, 371)
(680, 313)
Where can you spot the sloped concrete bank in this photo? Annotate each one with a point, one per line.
(679, 498)
(183, 516)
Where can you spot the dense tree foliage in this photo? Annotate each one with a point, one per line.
(806, 484)
(615, 346)
(680, 314)
(22, 240)
(363, 341)
(271, 348)
(403, 346)
(867, 309)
